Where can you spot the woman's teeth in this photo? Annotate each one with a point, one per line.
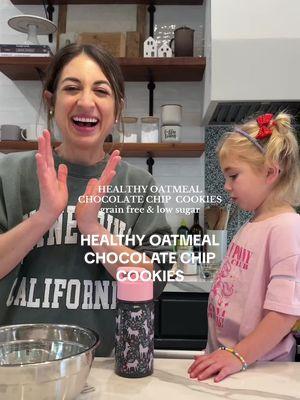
(90, 122)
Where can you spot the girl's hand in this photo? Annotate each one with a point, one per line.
(87, 213)
(220, 363)
(53, 186)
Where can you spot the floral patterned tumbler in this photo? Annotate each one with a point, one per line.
(134, 324)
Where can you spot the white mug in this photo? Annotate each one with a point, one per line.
(171, 114)
(33, 132)
(11, 132)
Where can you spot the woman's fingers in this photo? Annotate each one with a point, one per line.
(48, 148)
(106, 180)
(45, 149)
(91, 187)
(41, 167)
(41, 146)
(112, 164)
(62, 175)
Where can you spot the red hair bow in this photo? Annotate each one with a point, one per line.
(264, 123)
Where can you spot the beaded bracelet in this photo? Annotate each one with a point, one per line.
(236, 354)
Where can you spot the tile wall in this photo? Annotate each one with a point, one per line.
(214, 181)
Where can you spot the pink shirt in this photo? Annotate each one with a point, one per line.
(260, 272)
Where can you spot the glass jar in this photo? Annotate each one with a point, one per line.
(150, 129)
(130, 130)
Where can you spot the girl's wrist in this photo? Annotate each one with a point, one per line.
(237, 355)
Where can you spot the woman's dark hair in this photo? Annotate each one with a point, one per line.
(106, 62)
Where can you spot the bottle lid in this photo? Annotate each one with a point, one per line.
(150, 120)
(134, 284)
(130, 120)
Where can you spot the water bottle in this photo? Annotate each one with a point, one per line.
(134, 344)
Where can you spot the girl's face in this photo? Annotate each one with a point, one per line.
(85, 104)
(246, 187)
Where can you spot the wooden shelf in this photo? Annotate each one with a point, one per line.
(24, 68)
(158, 2)
(126, 149)
(163, 69)
(134, 69)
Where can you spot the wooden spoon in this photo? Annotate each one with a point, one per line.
(212, 216)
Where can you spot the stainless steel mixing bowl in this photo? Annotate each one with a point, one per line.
(45, 361)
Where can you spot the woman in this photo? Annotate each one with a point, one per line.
(45, 274)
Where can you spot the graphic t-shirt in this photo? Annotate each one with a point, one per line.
(260, 272)
(54, 284)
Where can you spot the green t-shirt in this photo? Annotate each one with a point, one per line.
(54, 284)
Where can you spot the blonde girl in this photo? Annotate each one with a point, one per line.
(255, 299)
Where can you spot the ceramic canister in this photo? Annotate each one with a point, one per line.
(170, 133)
(171, 114)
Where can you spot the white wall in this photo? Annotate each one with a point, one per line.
(255, 19)
(255, 51)
(20, 101)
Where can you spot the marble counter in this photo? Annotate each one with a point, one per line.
(170, 381)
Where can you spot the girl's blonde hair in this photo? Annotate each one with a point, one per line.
(280, 148)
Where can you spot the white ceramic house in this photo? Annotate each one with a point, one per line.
(164, 51)
(150, 47)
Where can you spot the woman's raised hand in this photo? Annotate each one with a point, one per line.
(87, 212)
(52, 184)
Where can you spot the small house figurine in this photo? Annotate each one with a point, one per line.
(150, 47)
(164, 51)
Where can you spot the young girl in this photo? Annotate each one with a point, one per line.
(255, 299)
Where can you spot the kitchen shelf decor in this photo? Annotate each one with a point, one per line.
(134, 69)
(151, 70)
(126, 149)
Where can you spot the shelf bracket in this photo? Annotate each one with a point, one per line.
(151, 10)
(50, 11)
(150, 163)
(151, 87)
(151, 84)
(40, 73)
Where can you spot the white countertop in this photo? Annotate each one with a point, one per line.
(170, 381)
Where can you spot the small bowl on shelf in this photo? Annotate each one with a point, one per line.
(45, 361)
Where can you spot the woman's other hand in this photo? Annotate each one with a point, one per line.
(87, 212)
(52, 184)
(220, 364)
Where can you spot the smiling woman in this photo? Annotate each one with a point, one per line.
(85, 94)
(40, 209)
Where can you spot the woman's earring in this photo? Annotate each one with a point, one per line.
(51, 112)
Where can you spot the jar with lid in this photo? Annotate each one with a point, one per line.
(150, 129)
(131, 130)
